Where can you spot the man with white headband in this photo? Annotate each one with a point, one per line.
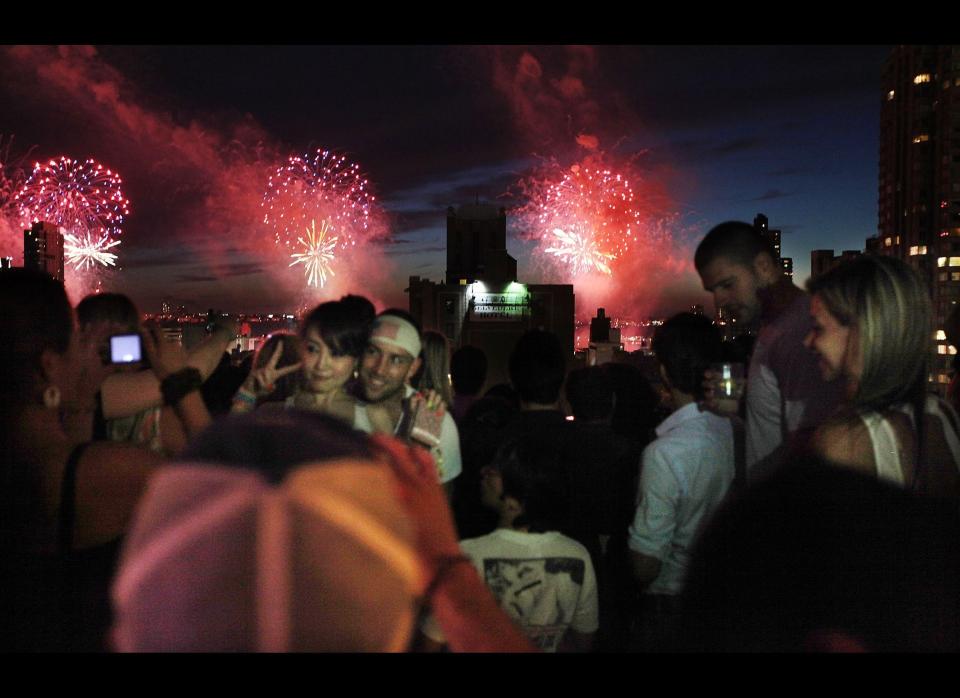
(391, 359)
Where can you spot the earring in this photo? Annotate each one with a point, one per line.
(51, 397)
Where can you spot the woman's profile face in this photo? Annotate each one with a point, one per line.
(322, 371)
(835, 344)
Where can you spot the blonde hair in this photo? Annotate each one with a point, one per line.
(435, 373)
(888, 305)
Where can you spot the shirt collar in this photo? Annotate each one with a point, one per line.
(684, 414)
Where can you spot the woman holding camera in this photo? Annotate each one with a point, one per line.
(66, 501)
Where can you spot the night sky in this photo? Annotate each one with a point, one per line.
(706, 134)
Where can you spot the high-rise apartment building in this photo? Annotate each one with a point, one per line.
(43, 249)
(919, 189)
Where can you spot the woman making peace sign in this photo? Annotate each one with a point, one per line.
(332, 338)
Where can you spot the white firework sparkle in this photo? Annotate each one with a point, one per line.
(84, 253)
(317, 254)
(583, 254)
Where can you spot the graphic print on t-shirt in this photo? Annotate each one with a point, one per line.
(541, 594)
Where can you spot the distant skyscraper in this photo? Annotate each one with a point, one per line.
(43, 249)
(477, 245)
(787, 264)
(762, 225)
(919, 188)
(822, 261)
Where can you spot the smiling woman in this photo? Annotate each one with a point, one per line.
(872, 327)
(332, 339)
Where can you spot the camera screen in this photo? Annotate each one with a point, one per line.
(125, 348)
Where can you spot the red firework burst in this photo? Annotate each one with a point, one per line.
(321, 187)
(83, 198)
(586, 217)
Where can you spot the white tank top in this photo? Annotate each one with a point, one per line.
(886, 448)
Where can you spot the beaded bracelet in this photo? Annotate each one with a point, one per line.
(177, 385)
(244, 396)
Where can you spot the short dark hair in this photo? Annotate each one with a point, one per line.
(737, 241)
(108, 307)
(342, 328)
(534, 477)
(361, 305)
(686, 345)
(537, 367)
(590, 392)
(274, 442)
(468, 370)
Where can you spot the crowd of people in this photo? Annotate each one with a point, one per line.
(358, 486)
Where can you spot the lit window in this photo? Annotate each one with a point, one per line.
(943, 378)
(955, 261)
(941, 261)
(940, 335)
(922, 138)
(914, 249)
(951, 350)
(923, 249)
(887, 242)
(941, 349)
(890, 95)
(921, 78)
(897, 239)
(955, 276)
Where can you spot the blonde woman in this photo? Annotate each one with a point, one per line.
(435, 373)
(872, 329)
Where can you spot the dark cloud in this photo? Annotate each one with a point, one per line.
(788, 171)
(419, 250)
(772, 194)
(737, 145)
(195, 278)
(243, 268)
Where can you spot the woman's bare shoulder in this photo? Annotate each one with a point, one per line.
(845, 441)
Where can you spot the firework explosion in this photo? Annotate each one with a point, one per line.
(82, 198)
(587, 217)
(323, 186)
(582, 254)
(317, 255)
(84, 255)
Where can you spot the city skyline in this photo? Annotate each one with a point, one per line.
(712, 133)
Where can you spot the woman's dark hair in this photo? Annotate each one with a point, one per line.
(36, 317)
(686, 345)
(535, 478)
(342, 325)
(108, 307)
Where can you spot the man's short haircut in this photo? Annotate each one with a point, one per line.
(736, 241)
(590, 393)
(468, 370)
(342, 329)
(534, 477)
(686, 345)
(537, 367)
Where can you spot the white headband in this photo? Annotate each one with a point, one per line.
(397, 332)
